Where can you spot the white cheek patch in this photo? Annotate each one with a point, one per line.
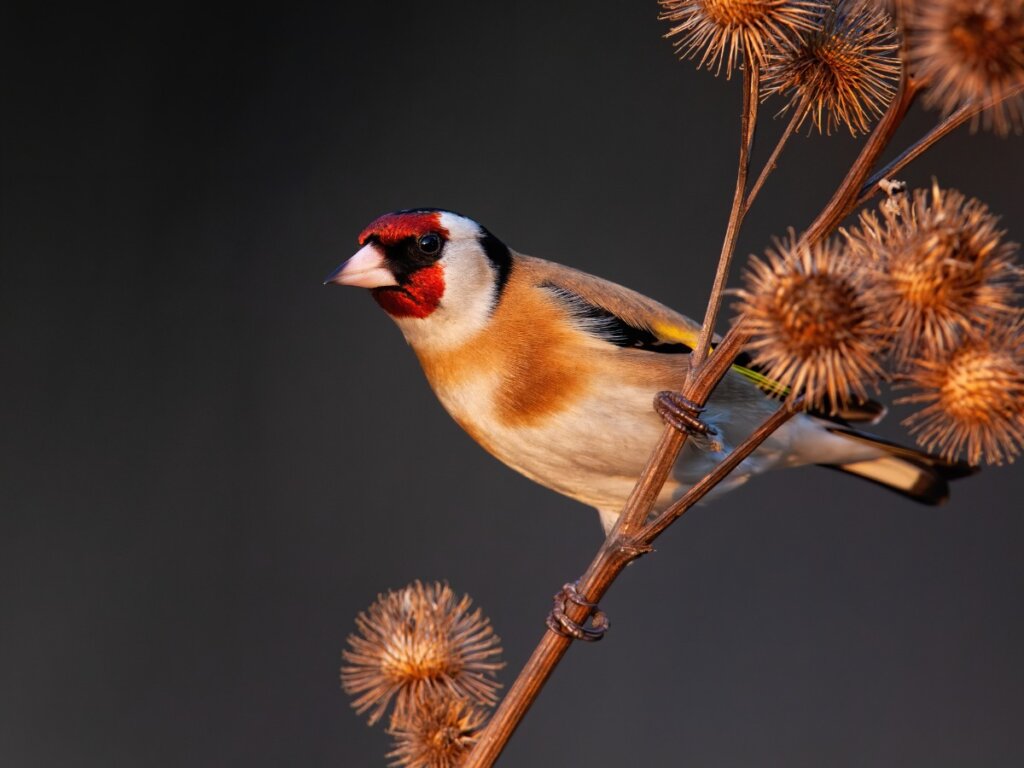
(469, 292)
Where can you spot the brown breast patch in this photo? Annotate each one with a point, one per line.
(539, 359)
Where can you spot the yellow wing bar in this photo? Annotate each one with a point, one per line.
(688, 336)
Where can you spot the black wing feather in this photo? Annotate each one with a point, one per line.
(608, 326)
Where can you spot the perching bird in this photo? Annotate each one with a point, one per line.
(554, 371)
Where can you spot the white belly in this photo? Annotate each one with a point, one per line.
(594, 449)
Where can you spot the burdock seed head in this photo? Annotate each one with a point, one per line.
(841, 73)
(811, 324)
(438, 732)
(938, 267)
(418, 640)
(971, 52)
(721, 31)
(973, 397)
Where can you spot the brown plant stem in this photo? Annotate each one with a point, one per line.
(622, 545)
(949, 124)
(846, 197)
(748, 127)
(630, 537)
(615, 554)
(798, 114)
(844, 201)
(657, 526)
(915, 150)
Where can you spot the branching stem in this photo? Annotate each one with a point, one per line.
(798, 115)
(632, 535)
(846, 196)
(623, 544)
(951, 122)
(720, 472)
(751, 98)
(618, 550)
(915, 150)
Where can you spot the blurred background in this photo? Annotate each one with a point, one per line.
(210, 463)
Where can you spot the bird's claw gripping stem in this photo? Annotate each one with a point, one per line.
(681, 413)
(559, 622)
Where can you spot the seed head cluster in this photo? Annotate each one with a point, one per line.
(926, 291)
(438, 733)
(722, 32)
(417, 641)
(840, 73)
(938, 266)
(971, 52)
(812, 329)
(973, 397)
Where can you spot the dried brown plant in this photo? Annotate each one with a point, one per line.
(929, 276)
(973, 397)
(437, 733)
(722, 31)
(417, 640)
(841, 73)
(939, 266)
(812, 325)
(972, 51)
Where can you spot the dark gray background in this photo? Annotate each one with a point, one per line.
(210, 463)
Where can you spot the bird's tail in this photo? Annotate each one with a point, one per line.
(920, 476)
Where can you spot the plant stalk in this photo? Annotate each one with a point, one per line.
(846, 196)
(657, 526)
(798, 115)
(616, 553)
(748, 128)
(949, 124)
(622, 546)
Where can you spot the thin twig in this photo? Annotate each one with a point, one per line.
(949, 124)
(751, 97)
(621, 546)
(846, 196)
(798, 114)
(612, 558)
(661, 461)
(697, 389)
(844, 201)
(628, 539)
(619, 549)
(656, 471)
(785, 412)
(915, 150)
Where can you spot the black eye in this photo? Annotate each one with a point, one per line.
(429, 244)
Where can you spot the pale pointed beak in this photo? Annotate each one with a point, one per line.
(367, 269)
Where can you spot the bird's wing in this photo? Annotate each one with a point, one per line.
(616, 314)
(625, 318)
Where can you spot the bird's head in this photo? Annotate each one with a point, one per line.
(437, 273)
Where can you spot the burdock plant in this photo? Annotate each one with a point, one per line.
(437, 733)
(841, 72)
(973, 396)
(811, 322)
(921, 292)
(938, 266)
(416, 644)
(971, 52)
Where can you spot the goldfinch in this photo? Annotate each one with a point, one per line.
(554, 371)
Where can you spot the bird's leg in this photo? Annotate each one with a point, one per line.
(559, 622)
(682, 413)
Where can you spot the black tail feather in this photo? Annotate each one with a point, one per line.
(920, 476)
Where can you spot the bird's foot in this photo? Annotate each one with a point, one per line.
(681, 413)
(559, 622)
